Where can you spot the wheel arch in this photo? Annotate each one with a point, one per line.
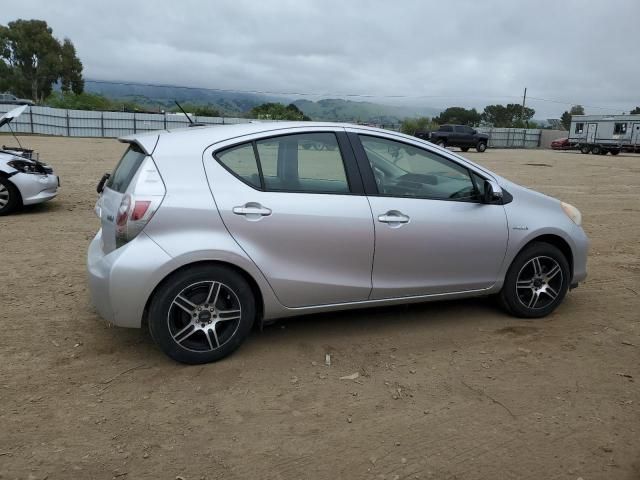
(558, 242)
(255, 288)
(7, 177)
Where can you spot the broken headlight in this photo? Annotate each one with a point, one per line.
(25, 166)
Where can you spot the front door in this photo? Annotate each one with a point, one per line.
(591, 132)
(432, 233)
(291, 205)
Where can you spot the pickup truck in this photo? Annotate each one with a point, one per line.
(459, 136)
(7, 98)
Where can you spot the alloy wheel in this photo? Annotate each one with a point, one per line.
(539, 282)
(204, 316)
(4, 196)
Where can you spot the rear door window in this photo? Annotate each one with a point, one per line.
(241, 161)
(126, 169)
(307, 162)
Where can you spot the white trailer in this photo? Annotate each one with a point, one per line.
(601, 134)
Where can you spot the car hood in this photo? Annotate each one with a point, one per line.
(11, 114)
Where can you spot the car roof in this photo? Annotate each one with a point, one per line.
(208, 135)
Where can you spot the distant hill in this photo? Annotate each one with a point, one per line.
(349, 111)
(237, 104)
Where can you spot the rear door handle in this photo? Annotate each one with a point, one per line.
(252, 211)
(393, 217)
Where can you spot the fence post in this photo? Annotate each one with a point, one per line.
(31, 117)
(165, 120)
(68, 127)
(135, 129)
(102, 124)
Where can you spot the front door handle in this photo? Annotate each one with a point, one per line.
(252, 211)
(393, 218)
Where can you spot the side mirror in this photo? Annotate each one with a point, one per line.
(492, 192)
(102, 181)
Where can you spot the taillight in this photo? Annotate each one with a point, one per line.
(137, 207)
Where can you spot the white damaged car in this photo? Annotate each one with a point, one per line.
(24, 180)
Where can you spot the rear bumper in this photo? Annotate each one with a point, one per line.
(120, 282)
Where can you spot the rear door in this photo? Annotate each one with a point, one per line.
(295, 204)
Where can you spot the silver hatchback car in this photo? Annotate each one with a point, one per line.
(207, 230)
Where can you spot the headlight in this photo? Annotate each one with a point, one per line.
(572, 212)
(24, 166)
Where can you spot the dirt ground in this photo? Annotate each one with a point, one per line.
(453, 390)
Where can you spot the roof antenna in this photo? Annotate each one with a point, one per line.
(191, 122)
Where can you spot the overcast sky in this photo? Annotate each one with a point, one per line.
(440, 53)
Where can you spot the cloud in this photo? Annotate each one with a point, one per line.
(468, 53)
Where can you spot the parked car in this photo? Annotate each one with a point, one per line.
(206, 231)
(24, 180)
(13, 100)
(459, 136)
(561, 144)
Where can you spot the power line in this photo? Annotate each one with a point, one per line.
(333, 94)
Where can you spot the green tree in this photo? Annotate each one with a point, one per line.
(70, 68)
(277, 111)
(33, 60)
(508, 116)
(635, 111)
(565, 119)
(458, 116)
(411, 126)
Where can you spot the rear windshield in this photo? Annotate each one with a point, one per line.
(126, 169)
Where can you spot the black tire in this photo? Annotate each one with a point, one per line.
(596, 150)
(585, 149)
(464, 149)
(615, 152)
(9, 197)
(167, 319)
(518, 298)
(481, 147)
(441, 143)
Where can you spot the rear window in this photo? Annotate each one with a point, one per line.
(126, 169)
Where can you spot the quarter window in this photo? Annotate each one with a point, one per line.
(579, 127)
(242, 162)
(620, 129)
(402, 170)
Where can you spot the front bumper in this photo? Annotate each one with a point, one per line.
(36, 188)
(121, 282)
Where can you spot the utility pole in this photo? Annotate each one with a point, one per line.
(524, 99)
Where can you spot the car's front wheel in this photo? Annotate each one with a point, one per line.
(202, 314)
(536, 282)
(441, 143)
(464, 149)
(9, 197)
(481, 147)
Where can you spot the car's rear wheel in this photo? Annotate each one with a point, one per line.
(585, 149)
(537, 281)
(464, 149)
(441, 143)
(481, 147)
(9, 197)
(202, 314)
